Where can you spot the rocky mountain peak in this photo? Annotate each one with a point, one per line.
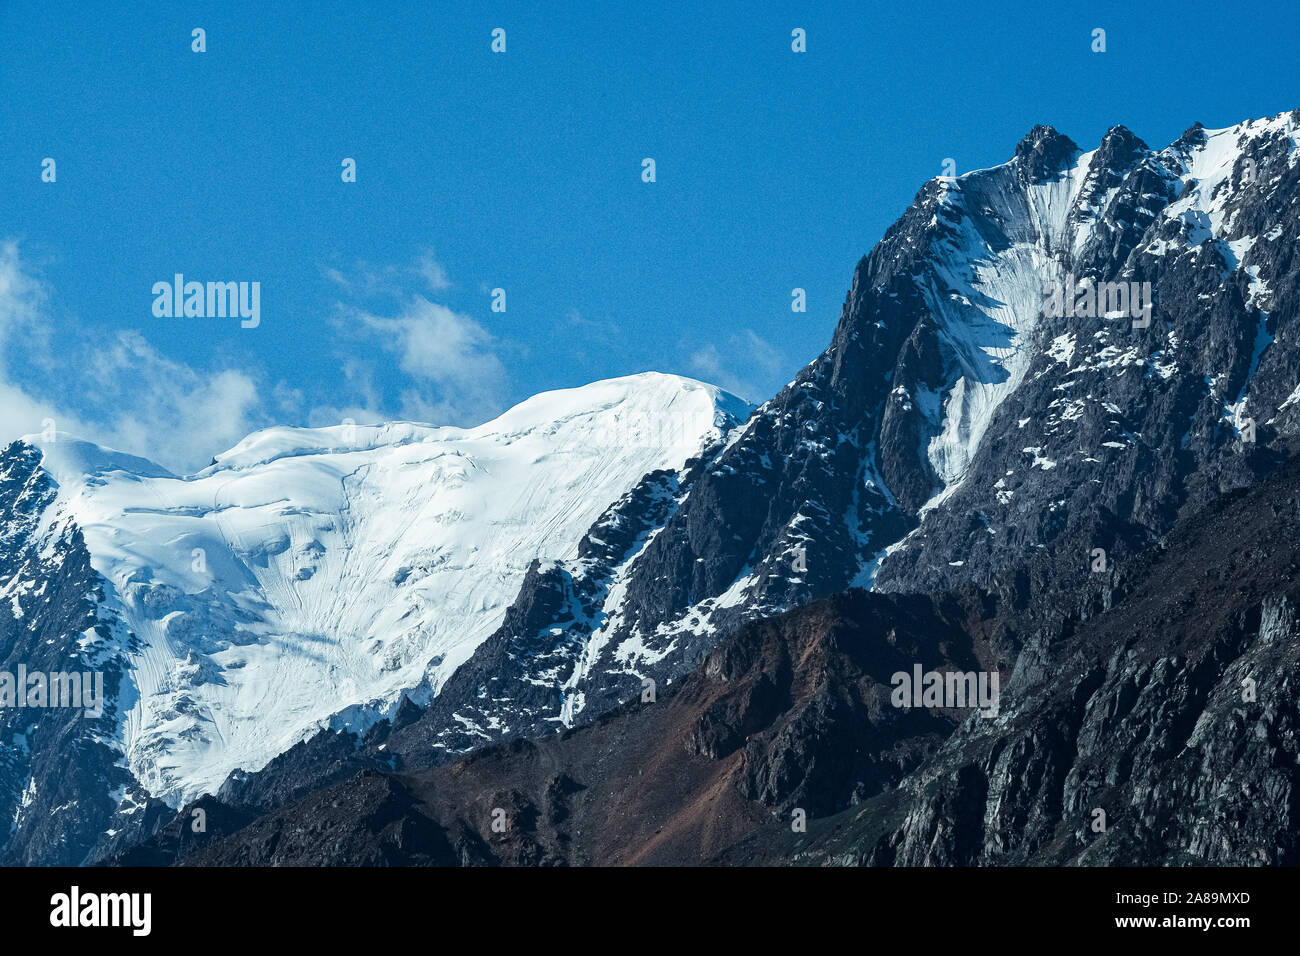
(1120, 148)
(1043, 153)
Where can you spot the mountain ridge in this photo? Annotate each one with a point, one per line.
(954, 437)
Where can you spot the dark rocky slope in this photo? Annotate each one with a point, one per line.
(792, 711)
(1123, 692)
(58, 766)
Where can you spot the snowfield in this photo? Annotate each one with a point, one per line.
(310, 577)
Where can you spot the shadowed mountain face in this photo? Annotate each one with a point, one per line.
(1163, 694)
(792, 711)
(59, 765)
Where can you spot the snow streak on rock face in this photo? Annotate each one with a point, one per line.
(993, 247)
(1113, 422)
(311, 576)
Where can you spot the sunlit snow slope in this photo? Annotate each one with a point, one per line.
(314, 575)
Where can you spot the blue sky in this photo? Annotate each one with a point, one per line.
(519, 171)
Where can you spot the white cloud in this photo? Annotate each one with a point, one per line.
(432, 271)
(444, 350)
(167, 411)
(365, 278)
(366, 406)
(746, 350)
(21, 298)
(122, 393)
(21, 414)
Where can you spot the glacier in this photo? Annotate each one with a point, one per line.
(311, 577)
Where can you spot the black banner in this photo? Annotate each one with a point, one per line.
(303, 905)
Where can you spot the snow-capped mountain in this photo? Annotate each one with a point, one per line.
(978, 411)
(310, 577)
(967, 437)
(957, 425)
